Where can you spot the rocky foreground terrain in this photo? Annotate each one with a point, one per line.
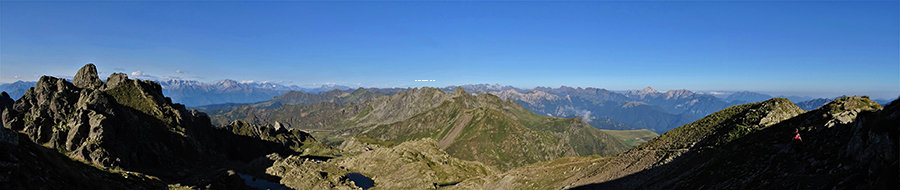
(123, 134)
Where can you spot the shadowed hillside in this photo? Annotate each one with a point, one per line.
(850, 143)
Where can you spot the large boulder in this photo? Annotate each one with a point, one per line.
(87, 77)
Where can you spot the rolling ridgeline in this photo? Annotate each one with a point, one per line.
(466, 126)
(123, 134)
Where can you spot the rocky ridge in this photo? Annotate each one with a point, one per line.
(126, 126)
(472, 127)
(410, 165)
(466, 126)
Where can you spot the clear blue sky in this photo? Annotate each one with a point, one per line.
(795, 48)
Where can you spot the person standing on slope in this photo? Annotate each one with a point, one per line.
(796, 142)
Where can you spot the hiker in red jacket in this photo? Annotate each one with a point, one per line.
(797, 141)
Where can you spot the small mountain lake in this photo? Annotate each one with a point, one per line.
(360, 180)
(261, 183)
(449, 184)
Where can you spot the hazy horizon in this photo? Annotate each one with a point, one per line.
(710, 92)
(816, 49)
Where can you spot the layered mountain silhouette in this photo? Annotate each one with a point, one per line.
(635, 109)
(17, 89)
(747, 97)
(814, 103)
(194, 93)
(302, 98)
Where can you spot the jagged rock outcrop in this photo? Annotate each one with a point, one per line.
(5, 103)
(285, 141)
(26, 165)
(304, 173)
(5, 100)
(410, 165)
(128, 125)
(414, 165)
(121, 123)
(87, 77)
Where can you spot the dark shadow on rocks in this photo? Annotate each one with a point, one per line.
(860, 154)
(32, 166)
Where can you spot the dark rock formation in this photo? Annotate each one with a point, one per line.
(87, 77)
(126, 124)
(5, 100)
(849, 143)
(122, 123)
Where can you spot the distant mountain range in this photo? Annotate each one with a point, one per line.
(633, 109)
(814, 103)
(195, 93)
(747, 96)
(17, 89)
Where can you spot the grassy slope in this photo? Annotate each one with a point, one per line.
(726, 125)
(633, 137)
(762, 158)
(500, 133)
(711, 130)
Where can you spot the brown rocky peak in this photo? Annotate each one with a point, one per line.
(87, 77)
(115, 79)
(459, 90)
